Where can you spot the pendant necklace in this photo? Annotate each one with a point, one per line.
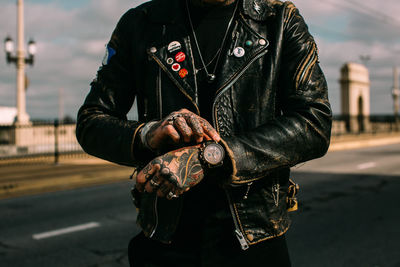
(210, 76)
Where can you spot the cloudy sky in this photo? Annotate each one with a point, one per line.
(71, 36)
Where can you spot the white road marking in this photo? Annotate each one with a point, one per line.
(366, 165)
(67, 230)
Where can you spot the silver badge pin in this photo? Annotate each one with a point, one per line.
(173, 46)
(170, 61)
(262, 42)
(257, 7)
(153, 50)
(239, 52)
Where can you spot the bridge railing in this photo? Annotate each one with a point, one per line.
(38, 141)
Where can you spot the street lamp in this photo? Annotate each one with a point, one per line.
(20, 61)
(9, 50)
(396, 96)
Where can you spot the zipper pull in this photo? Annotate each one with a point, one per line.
(235, 38)
(275, 193)
(242, 240)
(247, 191)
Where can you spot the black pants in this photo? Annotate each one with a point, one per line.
(221, 251)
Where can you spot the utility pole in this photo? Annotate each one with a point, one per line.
(396, 94)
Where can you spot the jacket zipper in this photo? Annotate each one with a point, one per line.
(159, 84)
(156, 215)
(238, 233)
(159, 80)
(196, 90)
(275, 192)
(236, 76)
(246, 195)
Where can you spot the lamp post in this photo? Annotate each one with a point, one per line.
(20, 61)
(396, 95)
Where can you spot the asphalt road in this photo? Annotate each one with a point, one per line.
(348, 216)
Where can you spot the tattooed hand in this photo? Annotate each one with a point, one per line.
(176, 172)
(178, 128)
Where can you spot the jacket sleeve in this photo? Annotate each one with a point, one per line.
(102, 126)
(302, 131)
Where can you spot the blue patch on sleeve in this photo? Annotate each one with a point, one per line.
(110, 52)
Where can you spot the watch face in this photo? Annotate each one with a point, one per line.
(214, 154)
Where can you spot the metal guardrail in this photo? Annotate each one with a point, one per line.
(44, 140)
(374, 124)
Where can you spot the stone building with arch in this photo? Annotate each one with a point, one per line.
(355, 97)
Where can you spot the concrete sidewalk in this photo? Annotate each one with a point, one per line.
(35, 178)
(348, 142)
(29, 178)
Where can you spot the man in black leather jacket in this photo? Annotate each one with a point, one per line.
(230, 95)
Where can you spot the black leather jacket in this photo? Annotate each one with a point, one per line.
(271, 108)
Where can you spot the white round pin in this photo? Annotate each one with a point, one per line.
(239, 52)
(173, 46)
(170, 60)
(153, 50)
(262, 42)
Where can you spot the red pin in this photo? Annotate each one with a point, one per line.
(183, 73)
(180, 57)
(176, 67)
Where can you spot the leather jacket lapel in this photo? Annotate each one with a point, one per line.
(233, 66)
(244, 48)
(165, 58)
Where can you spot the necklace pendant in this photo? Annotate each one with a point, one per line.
(211, 77)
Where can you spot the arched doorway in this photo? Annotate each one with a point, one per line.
(360, 117)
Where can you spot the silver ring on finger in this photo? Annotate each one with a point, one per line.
(173, 118)
(154, 183)
(171, 195)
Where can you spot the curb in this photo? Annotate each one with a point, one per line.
(347, 145)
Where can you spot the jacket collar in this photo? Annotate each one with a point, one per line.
(237, 64)
(259, 10)
(171, 11)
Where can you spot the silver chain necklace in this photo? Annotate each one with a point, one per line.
(210, 76)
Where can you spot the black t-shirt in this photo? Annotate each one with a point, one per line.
(210, 24)
(206, 203)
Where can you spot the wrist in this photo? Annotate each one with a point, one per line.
(143, 134)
